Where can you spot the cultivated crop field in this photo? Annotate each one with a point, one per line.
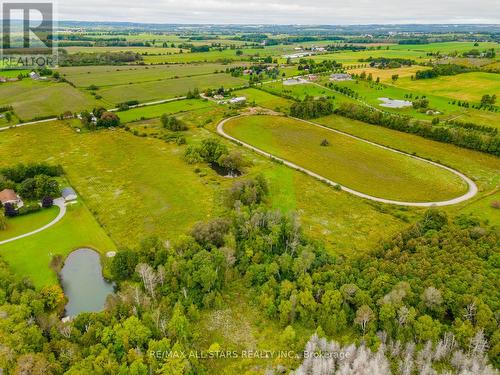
(170, 88)
(349, 162)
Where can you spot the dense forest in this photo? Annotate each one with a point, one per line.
(436, 278)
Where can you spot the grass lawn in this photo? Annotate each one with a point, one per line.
(31, 256)
(84, 76)
(350, 162)
(154, 111)
(170, 88)
(135, 186)
(44, 98)
(28, 223)
(475, 85)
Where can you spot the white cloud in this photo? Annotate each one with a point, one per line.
(282, 11)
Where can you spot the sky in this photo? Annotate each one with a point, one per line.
(332, 12)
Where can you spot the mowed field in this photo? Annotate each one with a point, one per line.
(44, 98)
(466, 86)
(169, 88)
(135, 186)
(348, 161)
(84, 76)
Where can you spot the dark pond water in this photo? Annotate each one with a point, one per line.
(83, 282)
(225, 172)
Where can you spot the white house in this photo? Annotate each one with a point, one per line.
(69, 194)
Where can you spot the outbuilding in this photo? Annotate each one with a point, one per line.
(69, 194)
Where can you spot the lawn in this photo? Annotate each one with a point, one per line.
(135, 186)
(28, 223)
(348, 161)
(265, 99)
(31, 256)
(32, 99)
(170, 88)
(475, 84)
(84, 76)
(154, 111)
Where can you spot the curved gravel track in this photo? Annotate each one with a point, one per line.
(472, 191)
(59, 202)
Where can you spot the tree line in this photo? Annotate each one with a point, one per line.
(463, 136)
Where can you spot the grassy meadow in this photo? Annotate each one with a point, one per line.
(84, 76)
(32, 99)
(169, 88)
(134, 186)
(348, 161)
(477, 84)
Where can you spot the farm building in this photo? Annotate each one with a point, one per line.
(69, 194)
(10, 196)
(238, 100)
(340, 77)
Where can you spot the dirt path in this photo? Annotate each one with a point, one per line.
(472, 191)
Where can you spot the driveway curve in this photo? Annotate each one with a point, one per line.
(59, 202)
(472, 188)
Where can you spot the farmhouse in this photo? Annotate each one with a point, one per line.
(340, 77)
(10, 196)
(69, 194)
(238, 100)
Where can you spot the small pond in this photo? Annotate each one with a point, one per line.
(83, 283)
(395, 103)
(225, 172)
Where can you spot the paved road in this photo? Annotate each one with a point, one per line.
(472, 191)
(59, 202)
(110, 110)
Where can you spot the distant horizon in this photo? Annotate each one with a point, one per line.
(280, 12)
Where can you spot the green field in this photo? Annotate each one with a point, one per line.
(84, 76)
(350, 162)
(170, 88)
(39, 98)
(264, 99)
(31, 256)
(154, 111)
(28, 223)
(475, 84)
(134, 186)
